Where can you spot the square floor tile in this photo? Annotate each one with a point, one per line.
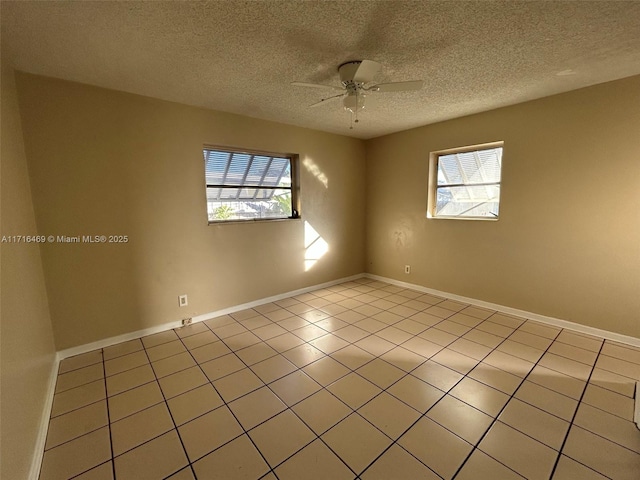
(354, 390)
(484, 398)
(173, 364)
(237, 384)
(208, 432)
(375, 345)
(159, 338)
(435, 446)
(134, 400)
(210, 351)
(256, 407)
(125, 362)
(281, 437)
(120, 349)
(536, 423)
(329, 343)
(569, 469)
(509, 363)
(521, 453)
(470, 349)
(76, 423)
(256, 353)
(124, 381)
(273, 368)
(101, 472)
(64, 462)
(481, 466)
(200, 339)
(242, 340)
(295, 387)
(182, 381)
(389, 414)
(403, 358)
(460, 418)
(326, 370)
(237, 460)
(416, 393)
(190, 330)
(79, 361)
(381, 373)
(222, 366)
(165, 350)
(602, 455)
(314, 462)
(81, 376)
(356, 441)
(140, 427)
(611, 402)
(437, 375)
(618, 430)
(352, 357)
(158, 458)
(397, 464)
(303, 355)
(321, 411)
(192, 404)
(557, 381)
(455, 361)
(77, 397)
(496, 378)
(285, 342)
(547, 400)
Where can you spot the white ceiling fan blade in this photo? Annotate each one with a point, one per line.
(327, 100)
(397, 86)
(315, 85)
(366, 71)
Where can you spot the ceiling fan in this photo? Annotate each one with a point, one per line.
(357, 82)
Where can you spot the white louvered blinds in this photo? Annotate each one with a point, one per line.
(248, 186)
(468, 184)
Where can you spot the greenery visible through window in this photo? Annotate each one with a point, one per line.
(249, 185)
(465, 183)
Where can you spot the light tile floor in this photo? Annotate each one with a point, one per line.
(360, 380)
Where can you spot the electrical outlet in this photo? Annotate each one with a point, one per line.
(186, 321)
(407, 269)
(182, 301)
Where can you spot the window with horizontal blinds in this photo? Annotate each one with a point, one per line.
(249, 185)
(465, 183)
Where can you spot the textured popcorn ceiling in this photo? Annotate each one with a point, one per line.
(241, 56)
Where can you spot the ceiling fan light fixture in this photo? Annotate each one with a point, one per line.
(353, 102)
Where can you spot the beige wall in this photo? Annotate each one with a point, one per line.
(567, 244)
(104, 162)
(26, 338)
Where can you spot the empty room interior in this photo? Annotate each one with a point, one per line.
(320, 240)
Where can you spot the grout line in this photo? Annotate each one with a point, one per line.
(495, 419)
(575, 413)
(225, 404)
(374, 356)
(106, 401)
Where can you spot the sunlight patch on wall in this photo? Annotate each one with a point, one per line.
(314, 170)
(314, 246)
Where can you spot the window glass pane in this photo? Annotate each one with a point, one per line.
(468, 201)
(249, 204)
(243, 186)
(479, 166)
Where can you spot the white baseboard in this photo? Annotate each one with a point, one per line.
(70, 352)
(556, 322)
(41, 439)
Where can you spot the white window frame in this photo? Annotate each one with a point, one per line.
(433, 181)
(294, 187)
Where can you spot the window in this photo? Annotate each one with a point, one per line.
(464, 183)
(249, 185)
